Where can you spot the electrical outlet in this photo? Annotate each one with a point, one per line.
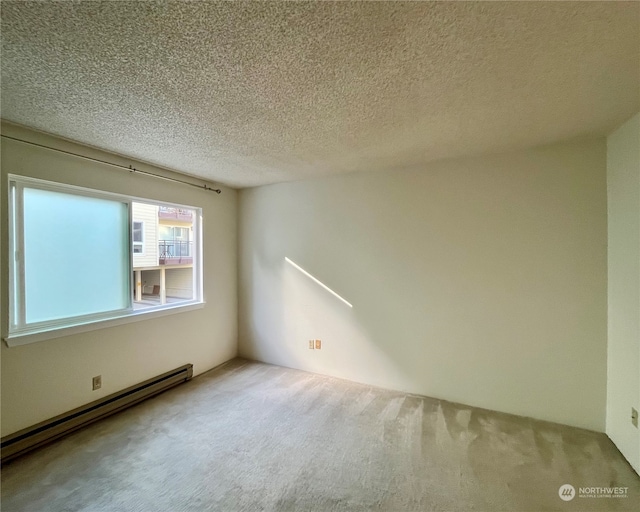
(318, 344)
(97, 382)
(634, 417)
(311, 344)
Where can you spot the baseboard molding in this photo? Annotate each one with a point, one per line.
(28, 439)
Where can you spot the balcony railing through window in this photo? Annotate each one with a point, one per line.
(175, 252)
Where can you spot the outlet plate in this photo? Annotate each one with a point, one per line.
(634, 417)
(318, 344)
(96, 382)
(311, 344)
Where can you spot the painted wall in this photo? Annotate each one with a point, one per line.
(179, 281)
(623, 385)
(44, 379)
(481, 281)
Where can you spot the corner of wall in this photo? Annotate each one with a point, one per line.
(623, 350)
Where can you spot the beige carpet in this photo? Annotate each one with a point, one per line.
(255, 437)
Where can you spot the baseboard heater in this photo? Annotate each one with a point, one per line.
(27, 439)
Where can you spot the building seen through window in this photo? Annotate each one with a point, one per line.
(162, 254)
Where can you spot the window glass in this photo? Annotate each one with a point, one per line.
(170, 276)
(137, 231)
(75, 255)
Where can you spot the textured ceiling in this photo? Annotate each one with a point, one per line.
(249, 93)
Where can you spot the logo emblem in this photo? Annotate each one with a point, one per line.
(567, 492)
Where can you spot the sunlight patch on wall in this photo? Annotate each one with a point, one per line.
(316, 280)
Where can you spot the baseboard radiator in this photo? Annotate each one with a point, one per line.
(25, 440)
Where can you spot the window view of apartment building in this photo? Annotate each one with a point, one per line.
(162, 254)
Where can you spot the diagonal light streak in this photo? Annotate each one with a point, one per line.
(316, 280)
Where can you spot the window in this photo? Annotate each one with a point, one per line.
(80, 256)
(176, 240)
(138, 233)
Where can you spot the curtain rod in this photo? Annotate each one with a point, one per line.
(130, 168)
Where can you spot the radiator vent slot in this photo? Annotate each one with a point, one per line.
(42, 433)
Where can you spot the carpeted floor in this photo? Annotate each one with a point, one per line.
(254, 437)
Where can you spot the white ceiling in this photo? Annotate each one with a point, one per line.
(254, 93)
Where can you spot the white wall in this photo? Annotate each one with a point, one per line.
(623, 385)
(179, 282)
(44, 379)
(482, 281)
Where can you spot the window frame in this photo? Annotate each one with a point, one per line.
(134, 242)
(18, 332)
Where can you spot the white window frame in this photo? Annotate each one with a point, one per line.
(19, 333)
(133, 242)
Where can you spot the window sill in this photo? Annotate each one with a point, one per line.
(15, 340)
